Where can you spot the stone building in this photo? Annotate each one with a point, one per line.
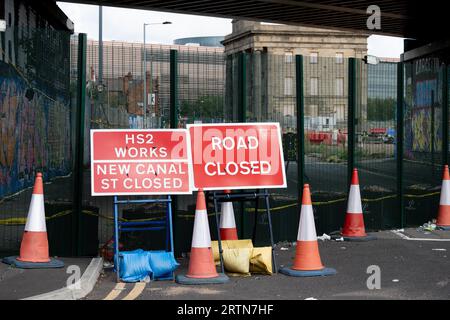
(271, 51)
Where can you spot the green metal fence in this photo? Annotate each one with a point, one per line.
(36, 133)
(425, 144)
(375, 147)
(389, 120)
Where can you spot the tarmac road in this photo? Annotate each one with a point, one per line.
(409, 270)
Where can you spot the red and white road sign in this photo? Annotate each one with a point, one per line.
(237, 156)
(140, 162)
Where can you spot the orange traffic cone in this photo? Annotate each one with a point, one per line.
(443, 219)
(227, 223)
(34, 252)
(307, 262)
(202, 269)
(34, 247)
(354, 229)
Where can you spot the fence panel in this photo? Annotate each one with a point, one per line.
(36, 135)
(375, 150)
(423, 141)
(201, 99)
(325, 138)
(115, 100)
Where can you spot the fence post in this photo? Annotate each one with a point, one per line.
(79, 145)
(242, 76)
(351, 118)
(399, 137)
(242, 115)
(173, 89)
(300, 103)
(445, 115)
(174, 125)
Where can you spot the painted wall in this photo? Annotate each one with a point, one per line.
(35, 112)
(34, 133)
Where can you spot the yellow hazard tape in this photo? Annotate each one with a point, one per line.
(294, 204)
(421, 195)
(23, 220)
(319, 203)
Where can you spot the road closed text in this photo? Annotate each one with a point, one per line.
(233, 168)
(236, 156)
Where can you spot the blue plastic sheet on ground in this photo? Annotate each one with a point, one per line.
(162, 263)
(134, 265)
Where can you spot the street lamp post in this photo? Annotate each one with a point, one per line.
(144, 74)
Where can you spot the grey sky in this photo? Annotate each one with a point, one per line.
(126, 25)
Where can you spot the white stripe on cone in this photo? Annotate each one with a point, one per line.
(227, 216)
(354, 202)
(201, 237)
(36, 214)
(445, 193)
(306, 227)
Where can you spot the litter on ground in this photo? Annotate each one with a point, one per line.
(324, 237)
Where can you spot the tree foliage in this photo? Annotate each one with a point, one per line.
(205, 107)
(379, 109)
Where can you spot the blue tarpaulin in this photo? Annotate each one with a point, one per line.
(138, 264)
(162, 263)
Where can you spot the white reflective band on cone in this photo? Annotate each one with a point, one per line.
(445, 193)
(201, 237)
(354, 201)
(227, 216)
(36, 214)
(306, 227)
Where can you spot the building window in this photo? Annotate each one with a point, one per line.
(339, 57)
(288, 86)
(339, 86)
(313, 57)
(314, 86)
(288, 57)
(340, 112)
(311, 110)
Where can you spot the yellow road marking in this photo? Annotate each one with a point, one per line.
(115, 292)
(137, 290)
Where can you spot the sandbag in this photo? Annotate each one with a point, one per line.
(237, 261)
(134, 265)
(229, 244)
(162, 263)
(261, 260)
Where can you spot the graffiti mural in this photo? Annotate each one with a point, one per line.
(34, 132)
(423, 124)
(426, 124)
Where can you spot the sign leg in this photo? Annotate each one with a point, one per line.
(255, 224)
(266, 195)
(219, 241)
(116, 239)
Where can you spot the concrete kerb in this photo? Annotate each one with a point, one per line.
(86, 284)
